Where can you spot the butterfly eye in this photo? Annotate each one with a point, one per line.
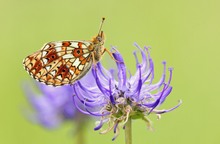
(99, 38)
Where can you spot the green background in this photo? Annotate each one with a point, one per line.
(185, 33)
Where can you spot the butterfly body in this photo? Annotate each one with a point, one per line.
(63, 62)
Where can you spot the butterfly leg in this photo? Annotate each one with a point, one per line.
(93, 59)
(110, 53)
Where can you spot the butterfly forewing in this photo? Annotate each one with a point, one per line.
(59, 63)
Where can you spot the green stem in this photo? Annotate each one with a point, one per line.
(128, 135)
(81, 125)
(80, 137)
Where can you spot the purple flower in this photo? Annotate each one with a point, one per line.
(52, 106)
(115, 95)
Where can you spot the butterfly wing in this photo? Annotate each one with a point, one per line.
(59, 63)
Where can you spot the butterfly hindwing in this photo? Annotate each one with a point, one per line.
(59, 63)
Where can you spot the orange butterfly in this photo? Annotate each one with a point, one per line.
(63, 62)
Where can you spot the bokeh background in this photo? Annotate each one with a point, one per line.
(185, 33)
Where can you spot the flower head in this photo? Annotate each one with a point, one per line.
(52, 106)
(117, 97)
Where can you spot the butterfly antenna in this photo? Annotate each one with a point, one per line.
(100, 28)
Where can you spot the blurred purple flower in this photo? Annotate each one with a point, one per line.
(116, 97)
(52, 106)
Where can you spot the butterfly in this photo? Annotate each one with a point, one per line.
(64, 62)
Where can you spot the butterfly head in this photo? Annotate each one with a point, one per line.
(100, 38)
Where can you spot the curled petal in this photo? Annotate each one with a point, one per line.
(116, 131)
(97, 113)
(122, 78)
(77, 106)
(104, 90)
(136, 89)
(169, 110)
(99, 126)
(158, 85)
(145, 60)
(110, 93)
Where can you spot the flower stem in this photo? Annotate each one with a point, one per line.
(80, 136)
(80, 129)
(128, 135)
